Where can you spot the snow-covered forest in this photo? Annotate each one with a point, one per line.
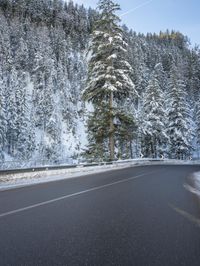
(43, 71)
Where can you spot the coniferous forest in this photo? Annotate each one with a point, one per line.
(48, 108)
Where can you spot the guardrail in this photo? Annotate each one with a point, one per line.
(51, 167)
(68, 166)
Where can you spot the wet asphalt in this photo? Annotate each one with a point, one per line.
(135, 216)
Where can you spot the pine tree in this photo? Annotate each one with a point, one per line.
(197, 120)
(3, 123)
(109, 71)
(126, 128)
(179, 127)
(25, 126)
(153, 117)
(193, 73)
(98, 133)
(11, 113)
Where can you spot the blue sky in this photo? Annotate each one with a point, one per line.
(155, 15)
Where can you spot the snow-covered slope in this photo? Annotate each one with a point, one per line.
(43, 67)
(42, 73)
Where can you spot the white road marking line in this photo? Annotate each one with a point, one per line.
(187, 215)
(71, 195)
(192, 189)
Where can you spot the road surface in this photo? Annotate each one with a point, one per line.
(135, 216)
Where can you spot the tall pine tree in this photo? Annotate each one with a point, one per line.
(179, 127)
(109, 72)
(153, 117)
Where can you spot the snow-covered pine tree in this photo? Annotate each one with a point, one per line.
(193, 73)
(109, 71)
(161, 77)
(26, 137)
(126, 127)
(3, 124)
(11, 112)
(98, 133)
(153, 120)
(179, 117)
(197, 116)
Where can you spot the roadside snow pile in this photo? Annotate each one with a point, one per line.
(194, 184)
(22, 179)
(11, 180)
(197, 183)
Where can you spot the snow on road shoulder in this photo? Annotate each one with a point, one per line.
(194, 185)
(29, 178)
(197, 182)
(24, 179)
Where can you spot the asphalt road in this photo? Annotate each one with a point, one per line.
(136, 216)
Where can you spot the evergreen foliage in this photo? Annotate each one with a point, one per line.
(3, 122)
(153, 119)
(43, 68)
(197, 113)
(179, 127)
(109, 72)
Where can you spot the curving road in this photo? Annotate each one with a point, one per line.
(135, 216)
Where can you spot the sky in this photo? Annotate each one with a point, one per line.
(155, 15)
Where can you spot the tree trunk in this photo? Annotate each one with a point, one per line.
(131, 149)
(152, 149)
(111, 135)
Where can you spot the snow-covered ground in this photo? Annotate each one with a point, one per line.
(24, 179)
(195, 186)
(197, 182)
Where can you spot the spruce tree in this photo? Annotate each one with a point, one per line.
(109, 71)
(25, 138)
(179, 116)
(197, 116)
(153, 117)
(12, 113)
(3, 124)
(98, 133)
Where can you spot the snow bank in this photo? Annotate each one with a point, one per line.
(23, 179)
(194, 184)
(8, 181)
(196, 189)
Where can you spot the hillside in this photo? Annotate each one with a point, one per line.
(43, 67)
